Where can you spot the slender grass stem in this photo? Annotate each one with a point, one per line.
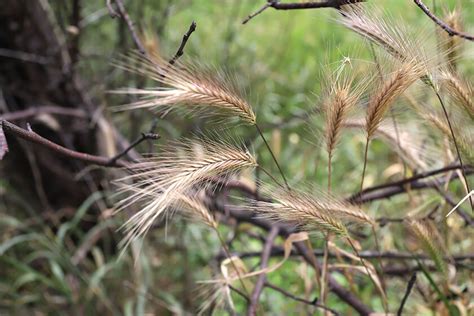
(384, 298)
(227, 252)
(455, 143)
(366, 152)
(273, 155)
(379, 249)
(329, 172)
(324, 272)
(271, 176)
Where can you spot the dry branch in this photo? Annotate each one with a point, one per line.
(442, 24)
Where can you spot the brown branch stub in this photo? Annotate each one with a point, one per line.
(142, 138)
(443, 25)
(251, 16)
(336, 4)
(184, 41)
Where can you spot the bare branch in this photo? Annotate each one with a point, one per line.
(186, 36)
(130, 24)
(254, 298)
(441, 24)
(32, 137)
(112, 12)
(278, 251)
(277, 5)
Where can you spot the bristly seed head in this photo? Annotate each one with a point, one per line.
(186, 85)
(159, 183)
(430, 241)
(387, 92)
(310, 212)
(340, 98)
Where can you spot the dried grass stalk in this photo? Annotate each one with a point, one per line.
(185, 84)
(388, 35)
(159, 183)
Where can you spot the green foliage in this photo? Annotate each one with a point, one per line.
(73, 264)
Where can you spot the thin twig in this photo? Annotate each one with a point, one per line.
(185, 39)
(277, 5)
(362, 261)
(139, 140)
(251, 16)
(440, 23)
(278, 251)
(363, 196)
(273, 155)
(31, 136)
(112, 12)
(236, 290)
(410, 285)
(130, 24)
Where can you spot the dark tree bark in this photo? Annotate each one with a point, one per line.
(36, 70)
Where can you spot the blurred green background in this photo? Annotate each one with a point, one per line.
(278, 58)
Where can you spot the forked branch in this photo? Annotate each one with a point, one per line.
(30, 136)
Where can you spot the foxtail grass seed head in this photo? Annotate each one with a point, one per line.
(452, 44)
(377, 30)
(460, 91)
(311, 212)
(194, 208)
(341, 97)
(430, 241)
(464, 140)
(159, 183)
(387, 92)
(184, 85)
(394, 38)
